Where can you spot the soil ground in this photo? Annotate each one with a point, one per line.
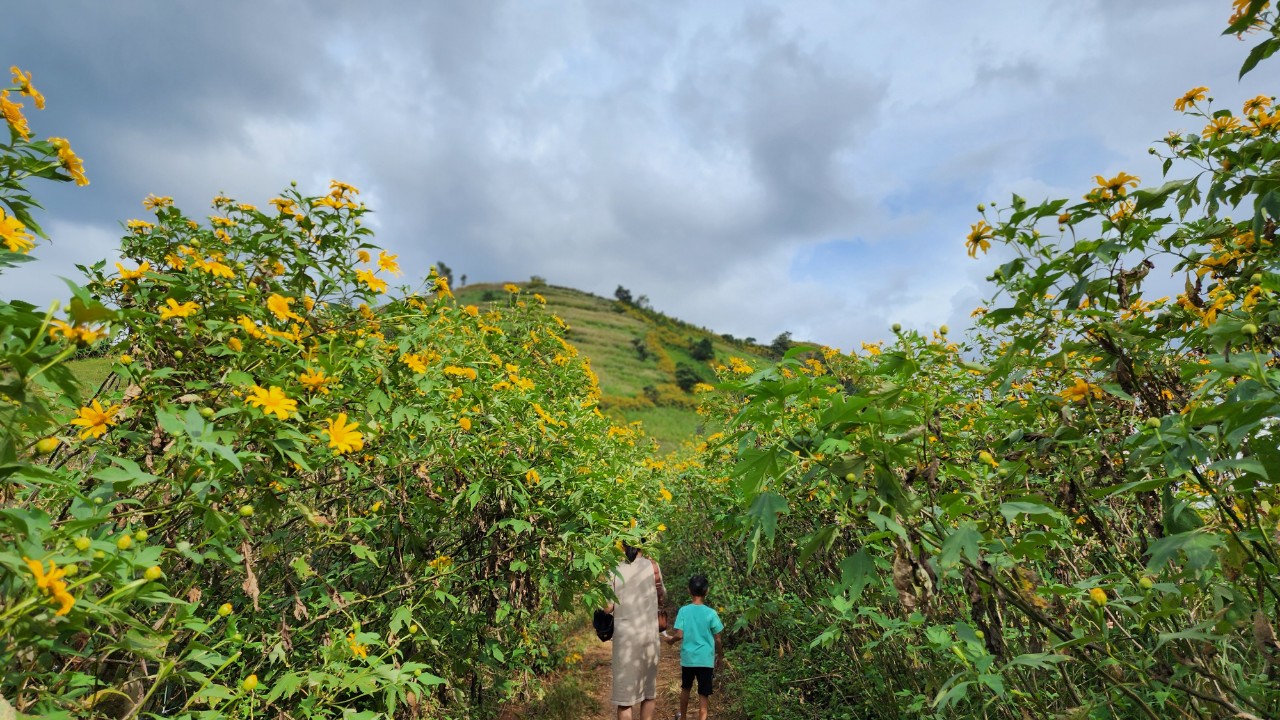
(582, 691)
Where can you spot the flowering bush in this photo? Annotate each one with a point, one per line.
(1071, 514)
(295, 493)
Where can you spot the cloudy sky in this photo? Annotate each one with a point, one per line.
(752, 167)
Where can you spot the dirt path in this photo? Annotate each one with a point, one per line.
(582, 693)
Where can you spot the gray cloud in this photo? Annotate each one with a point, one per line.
(707, 156)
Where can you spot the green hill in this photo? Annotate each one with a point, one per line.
(640, 355)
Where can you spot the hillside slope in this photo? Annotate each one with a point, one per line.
(639, 354)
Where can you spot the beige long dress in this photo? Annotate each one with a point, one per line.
(635, 634)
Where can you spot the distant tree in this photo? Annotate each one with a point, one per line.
(703, 350)
(749, 340)
(537, 281)
(623, 295)
(462, 280)
(728, 337)
(488, 296)
(781, 344)
(642, 302)
(642, 349)
(687, 377)
(444, 271)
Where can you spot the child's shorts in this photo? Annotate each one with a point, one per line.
(706, 677)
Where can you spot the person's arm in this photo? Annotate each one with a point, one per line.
(719, 652)
(659, 585)
(675, 636)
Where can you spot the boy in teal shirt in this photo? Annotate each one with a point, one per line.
(698, 626)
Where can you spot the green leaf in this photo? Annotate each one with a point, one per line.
(764, 512)
(1260, 52)
(964, 542)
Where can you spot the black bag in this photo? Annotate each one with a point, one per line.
(603, 624)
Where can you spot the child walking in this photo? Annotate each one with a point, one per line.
(698, 627)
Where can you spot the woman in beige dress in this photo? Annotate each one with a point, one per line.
(637, 583)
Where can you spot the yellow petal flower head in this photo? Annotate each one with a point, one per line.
(15, 235)
(70, 161)
(1192, 96)
(1117, 186)
(1257, 105)
(979, 238)
(340, 190)
(363, 255)
(1081, 391)
(374, 283)
(23, 81)
(12, 113)
(279, 306)
(154, 202)
(135, 274)
(51, 584)
(357, 649)
(315, 381)
(174, 309)
(95, 419)
(464, 423)
(272, 401)
(511, 288)
(1098, 596)
(415, 363)
(388, 262)
(441, 286)
(1220, 126)
(461, 372)
(343, 436)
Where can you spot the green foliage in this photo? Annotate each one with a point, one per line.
(687, 377)
(295, 494)
(1071, 514)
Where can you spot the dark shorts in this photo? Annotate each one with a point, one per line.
(706, 677)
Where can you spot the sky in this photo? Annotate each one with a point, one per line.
(751, 167)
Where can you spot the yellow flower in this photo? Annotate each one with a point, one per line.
(1080, 391)
(1192, 96)
(1220, 126)
(343, 436)
(272, 401)
(357, 649)
(441, 563)
(441, 287)
(214, 268)
(374, 283)
(15, 235)
(464, 423)
(979, 238)
(51, 584)
(284, 205)
(363, 255)
(511, 288)
(532, 477)
(471, 310)
(340, 190)
(175, 309)
(95, 419)
(1257, 105)
(414, 362)
(461, 372)
(80, 334)
(315, 381)
(662, 528)
(665, 493)
(1116, 186)
(279, 306)
(70, 161)
(23, 81)
(388, 262)
(152, 202)
(1098, 596)
(235, 344)
(133, 274)
(12, 112)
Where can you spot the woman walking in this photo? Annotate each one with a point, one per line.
(637, 583)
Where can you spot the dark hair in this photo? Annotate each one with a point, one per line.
(631, 551)
(698, 586)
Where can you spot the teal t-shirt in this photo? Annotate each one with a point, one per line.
(700, 624)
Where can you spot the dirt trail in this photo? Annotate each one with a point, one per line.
(592, 676)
